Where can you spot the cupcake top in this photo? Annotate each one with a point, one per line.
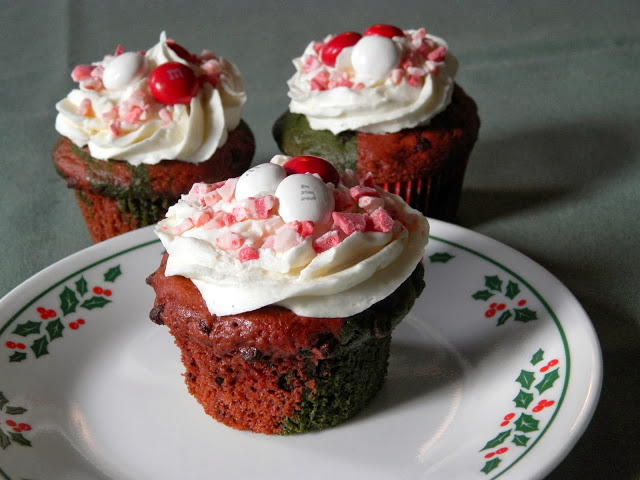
(144, 107)
(293, 232)
(381, 81)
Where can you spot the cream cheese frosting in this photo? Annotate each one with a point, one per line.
(126, 122)
(242, 255)
(379, 85)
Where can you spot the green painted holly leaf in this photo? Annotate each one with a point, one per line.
(547, 382)
(520, 440)
(95, 302)
(19, 439)
(112, 274)
(524, 315)
(537, 357)
(27, 328)
(491, 465)
(54, 329)
(39, 346)
(17, 357)
(493, 283)
(3, 400)
(526, 378)
(523, 399)
(5, 441)
(513, 289)
(81, 286)
(68, 301)
(15, 410)
(440, 257)
(497, 440)
(506, 315)
(482, 295)
(526, 423)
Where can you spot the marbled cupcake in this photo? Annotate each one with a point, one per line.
(282, 288)
(384, 102)
(142, 127)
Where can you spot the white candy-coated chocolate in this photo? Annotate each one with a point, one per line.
(261, 179)
(373, 57)
(123, 69)
(304, 197)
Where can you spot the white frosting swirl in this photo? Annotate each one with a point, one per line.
(339, 98)
(100, 118)
(345, 279)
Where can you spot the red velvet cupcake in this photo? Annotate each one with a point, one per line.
(282, 288)
(142, 127)
(384, 102)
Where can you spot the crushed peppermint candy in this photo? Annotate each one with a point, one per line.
(421, 56)
(359, 207)
(140, 106)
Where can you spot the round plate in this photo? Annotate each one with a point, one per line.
(496, 372)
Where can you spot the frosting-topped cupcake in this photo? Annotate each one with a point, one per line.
(133, 114)
(307, 270)
(384, 101)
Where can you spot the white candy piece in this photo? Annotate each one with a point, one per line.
(123, 69)
(261, 179)
(304, 197)
(374, 56)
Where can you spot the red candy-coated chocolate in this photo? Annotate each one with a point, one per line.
(312, 164)
(182, 52)
(172, 83)
(383, 30)
(333, 47)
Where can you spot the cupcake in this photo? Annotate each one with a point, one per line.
(143, 127)
(282, 288)
(384, 102)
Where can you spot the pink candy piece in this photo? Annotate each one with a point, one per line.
(367, 180)
(134, 115)
(326, 241)
(229, 241)
(304, 229)
(220, 219)
(185, 225)
(320, 81)
(381, 221)
(360, 191)
(226, 191)
(350, 222)
(438, 55)
(82, 72)
(247, 253)
(165, 115)
(85, 108)
(260, 207)
(369, 204)
(343, 201)
(285, 239)
(199, 218)
(349, 178)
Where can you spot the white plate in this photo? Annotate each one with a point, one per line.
(96, 390)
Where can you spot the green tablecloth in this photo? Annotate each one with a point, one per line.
(555, 173)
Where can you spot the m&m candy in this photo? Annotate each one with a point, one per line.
(263, 178)
(173, 83)
(304, 197)
(123, 70)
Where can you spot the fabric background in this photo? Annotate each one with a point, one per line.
(555, 173)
